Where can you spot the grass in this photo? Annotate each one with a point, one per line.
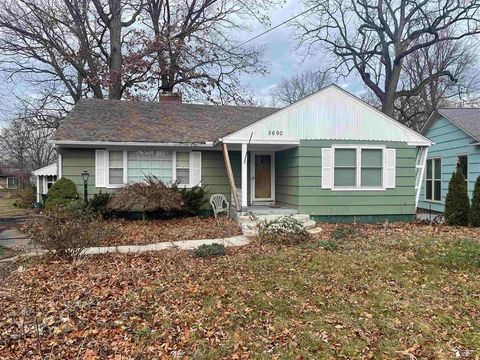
(386, 296)
(8, 209)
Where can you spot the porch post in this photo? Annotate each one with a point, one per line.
(38, 189)
(244, 176)
(231, 180)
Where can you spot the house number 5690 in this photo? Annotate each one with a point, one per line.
(275, 132)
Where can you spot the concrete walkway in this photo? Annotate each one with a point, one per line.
(239, 240)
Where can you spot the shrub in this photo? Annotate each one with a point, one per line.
(457, 204)
(475, 208)
(214, 249)
(151, 195)
(329, 245)
(26, 197)
(284, 230)
(66, 231)
(63, 192)
(193, 199)
(99, 203)
(342, 232)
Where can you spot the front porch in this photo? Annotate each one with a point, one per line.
(259, 179)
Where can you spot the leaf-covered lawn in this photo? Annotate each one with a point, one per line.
(155, 231)
(398, 292)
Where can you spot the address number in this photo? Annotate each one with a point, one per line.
(275, 132)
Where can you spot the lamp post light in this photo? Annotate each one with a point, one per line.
(85, 176)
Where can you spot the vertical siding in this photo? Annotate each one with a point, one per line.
(286, 177)
(450, 141)
(314, 200)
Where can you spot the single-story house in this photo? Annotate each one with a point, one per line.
(456, 136)
(330, 155)
(45, 178)
(10, 178)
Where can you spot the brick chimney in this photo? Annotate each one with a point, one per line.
(170, 96)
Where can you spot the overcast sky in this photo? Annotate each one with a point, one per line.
(282, 57)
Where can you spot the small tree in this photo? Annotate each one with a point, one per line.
(475, 209)
(63, 192)
(457, 204)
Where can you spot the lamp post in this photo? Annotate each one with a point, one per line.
(85, 176)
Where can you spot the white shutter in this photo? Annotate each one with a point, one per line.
(390, 168)
(100, 168)
(195, 168)
(327, 168)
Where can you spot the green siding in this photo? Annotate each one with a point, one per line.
(286, 177)
(214, 173)
(450, 142)
(74, 162)
(314, 200)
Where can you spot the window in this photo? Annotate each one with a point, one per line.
(115, 167)
(154, 163)
(358, 167)
(13, 183)
(462, 163)
(50, 180)
(183, 168)
(167, 166)
(433, 186)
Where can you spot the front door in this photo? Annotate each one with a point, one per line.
(263, 177)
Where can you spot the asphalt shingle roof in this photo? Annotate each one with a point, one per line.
(158, 122)
(467, 119)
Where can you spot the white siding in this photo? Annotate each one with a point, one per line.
(330, 114)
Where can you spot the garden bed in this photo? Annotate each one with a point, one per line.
(138, 232)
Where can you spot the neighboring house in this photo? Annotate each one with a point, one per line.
(456, 136)
(330, 155)
(45, 178)
(10, 179)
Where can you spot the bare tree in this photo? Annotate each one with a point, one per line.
(195, 49)
(295, 88)
(375, 37)
(458, 58)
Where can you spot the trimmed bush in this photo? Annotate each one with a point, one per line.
(99, 203)
(193, 199)
(26, 197)
(151, 195)
(214, 249)
(475, 208)
(284, 230)
(63, 192)
(457, 203)
(65, 231)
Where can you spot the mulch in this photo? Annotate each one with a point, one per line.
(138, 232)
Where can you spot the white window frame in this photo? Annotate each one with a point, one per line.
(433, 180)
(125, 168)
(14, 187)
(358, 168)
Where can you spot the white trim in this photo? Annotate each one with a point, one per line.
(60, 164)
(358, 167)
(421, 173)
(261, 142)
(244, 171)
(272, 176)
(208, 144)
(47, 170)
(38, 188)
(433, 181)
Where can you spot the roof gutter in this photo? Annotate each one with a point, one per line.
(208, 144)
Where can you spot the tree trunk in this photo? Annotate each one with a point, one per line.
(115, 28)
